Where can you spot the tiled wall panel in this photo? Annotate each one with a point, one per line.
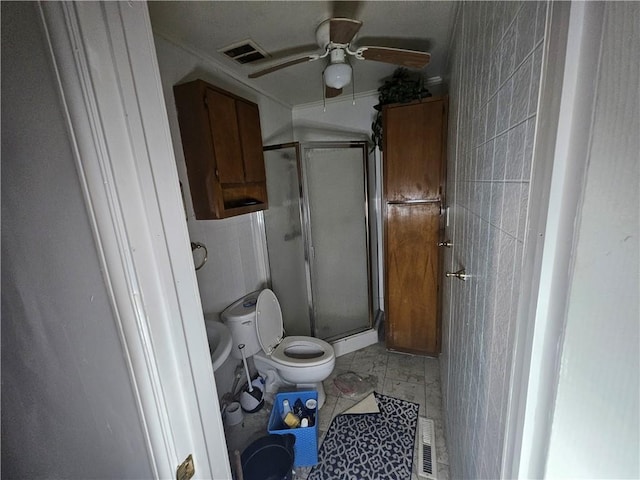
(494, 76)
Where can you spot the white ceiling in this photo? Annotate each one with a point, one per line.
(286, 30)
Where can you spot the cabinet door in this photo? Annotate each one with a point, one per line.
(413, 146)
(226, 138)
(411, 251)
(251, 138)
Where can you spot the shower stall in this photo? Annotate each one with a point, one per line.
(319, 237)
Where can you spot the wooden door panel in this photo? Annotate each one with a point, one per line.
(251, 138)
(413, 147)
(412, 266)
(226, 138)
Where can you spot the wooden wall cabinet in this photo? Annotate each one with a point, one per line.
(222, 144)
(414, 181)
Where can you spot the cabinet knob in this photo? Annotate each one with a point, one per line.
(446, 243)
(460, 274)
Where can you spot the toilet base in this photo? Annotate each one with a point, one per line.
(318, 386)
(273, 383)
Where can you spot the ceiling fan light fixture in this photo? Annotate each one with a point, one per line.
(335, 37)
(337, 75)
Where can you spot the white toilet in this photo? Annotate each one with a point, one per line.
(256, 321)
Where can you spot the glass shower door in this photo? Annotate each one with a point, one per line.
(336, 202)
(285, 241)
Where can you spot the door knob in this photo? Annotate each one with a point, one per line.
(460, 274)
(446, 243)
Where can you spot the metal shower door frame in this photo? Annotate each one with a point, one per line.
(305, 222)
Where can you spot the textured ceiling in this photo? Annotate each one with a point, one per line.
(286, 30)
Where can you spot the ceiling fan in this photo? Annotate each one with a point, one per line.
(335, 36)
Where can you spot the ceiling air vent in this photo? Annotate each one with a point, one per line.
(244, 52)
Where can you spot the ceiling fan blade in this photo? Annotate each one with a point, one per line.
(342, 30)
(342, 9)
(259, 73)
(397, 56)
(332, 92)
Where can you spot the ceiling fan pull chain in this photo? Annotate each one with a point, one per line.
(353, 89)
(324, 96)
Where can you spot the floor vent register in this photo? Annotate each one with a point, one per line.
(427, 465)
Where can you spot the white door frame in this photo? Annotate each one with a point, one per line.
(105, 61)
(567, 93)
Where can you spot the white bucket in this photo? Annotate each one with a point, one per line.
(233, 414)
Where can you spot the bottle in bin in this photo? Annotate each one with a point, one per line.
(310, 411)
(286, 408)
(289, 418)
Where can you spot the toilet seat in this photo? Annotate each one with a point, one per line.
(294, 351)
(302, 352)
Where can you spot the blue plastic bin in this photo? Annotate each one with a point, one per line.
(306, 446)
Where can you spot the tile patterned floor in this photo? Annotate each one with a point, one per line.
(410, 377)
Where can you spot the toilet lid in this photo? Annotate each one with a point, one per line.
(268, 321)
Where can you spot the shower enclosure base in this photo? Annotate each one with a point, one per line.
(355, 342)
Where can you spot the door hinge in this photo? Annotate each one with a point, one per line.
(186, 469)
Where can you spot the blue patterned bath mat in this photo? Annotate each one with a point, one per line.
(376, 446)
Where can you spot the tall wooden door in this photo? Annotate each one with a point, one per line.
(412, 271)
(414, 153)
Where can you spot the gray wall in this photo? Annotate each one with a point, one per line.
(68, 410)
(235, 266)
(495, 65)
(236, 262)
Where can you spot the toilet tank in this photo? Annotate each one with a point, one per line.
(240, 317)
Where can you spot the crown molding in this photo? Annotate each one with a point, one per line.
(428, 82)
(342, 99)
